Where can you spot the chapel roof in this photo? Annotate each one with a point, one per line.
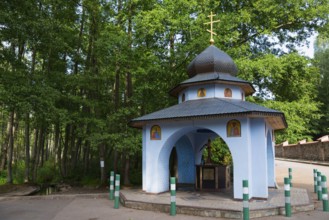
(213, 108)
(213, 66)
(212, 60)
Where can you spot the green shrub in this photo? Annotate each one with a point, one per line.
(3, 177)
(220, 152)
(90, 181)
(48, 173)
(19, 172)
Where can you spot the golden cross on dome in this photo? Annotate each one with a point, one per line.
(211, 27)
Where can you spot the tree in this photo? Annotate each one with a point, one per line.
(321, 61)
(74, 73)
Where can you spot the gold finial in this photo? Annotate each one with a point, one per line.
(211, 27)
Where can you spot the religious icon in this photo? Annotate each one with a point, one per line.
(156, 132)
(201, 92)
(228, 93)
(233, 128)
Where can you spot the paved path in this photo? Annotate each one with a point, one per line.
(98, 207)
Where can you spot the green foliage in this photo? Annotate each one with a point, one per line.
(286, 83)
(220, 152)
(18, 172)
(321, 61)
(91, 66)
(48, 173)
(301, 116)
(90, 181)
(3, 178)
(286, 78)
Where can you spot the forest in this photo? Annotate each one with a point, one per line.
(74, 73)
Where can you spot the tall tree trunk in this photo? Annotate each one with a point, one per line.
(76, 155)
(42, 137)
(34, 155)
(65, 150)
(27, 125)
(10, 147)
(128, 94)
(117, 87)
(73, 148)
(27, 148)
(117, 66)
(58, 148)
(78, 50)
(86, 151)
(127, 168)
(5, 148)
(38, 147)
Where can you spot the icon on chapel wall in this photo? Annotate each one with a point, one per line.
(233, 128)
(202, 92)
(156, 132)
(228, 93)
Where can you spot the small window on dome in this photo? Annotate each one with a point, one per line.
(183, 97)
(201, 92)
(242, 96)
(228, 93)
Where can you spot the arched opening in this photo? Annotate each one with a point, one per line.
(216, 152)
(183, 151)
(182, 162)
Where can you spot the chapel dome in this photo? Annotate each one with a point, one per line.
(212, 60)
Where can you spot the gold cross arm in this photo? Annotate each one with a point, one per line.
(211, 27)
(212, 22)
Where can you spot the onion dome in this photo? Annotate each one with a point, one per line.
(212, 60)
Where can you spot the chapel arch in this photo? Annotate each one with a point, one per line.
(188, 142)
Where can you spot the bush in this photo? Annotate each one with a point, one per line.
(220, 152)
(3, 178)
(19, 172)
(48, 173)
(90, 181)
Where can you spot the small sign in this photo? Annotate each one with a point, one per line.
(208, 174)
(102, 163)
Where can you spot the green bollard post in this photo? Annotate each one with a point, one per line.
(245, 200)
(112, 185)
(287, 197)
(117, 191)
(172, 196)
(315, 180)
(324, 194)
(290, 176)
(319, 186)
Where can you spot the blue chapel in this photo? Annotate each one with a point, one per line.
(211, 103)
